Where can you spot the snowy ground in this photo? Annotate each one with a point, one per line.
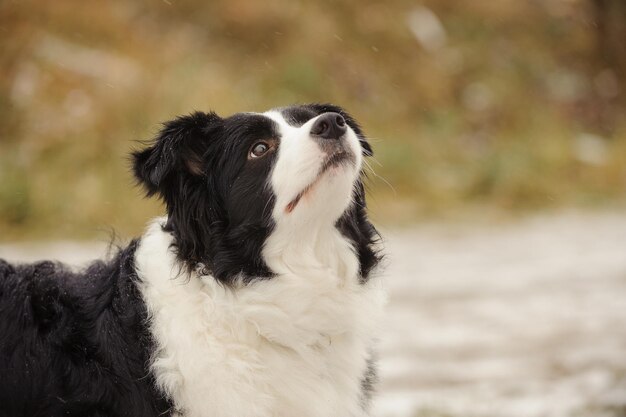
(525, 320)
(519, 320)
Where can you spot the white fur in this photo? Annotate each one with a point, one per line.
(295, 345)
(299, 161)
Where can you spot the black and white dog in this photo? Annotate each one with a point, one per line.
(253, 297)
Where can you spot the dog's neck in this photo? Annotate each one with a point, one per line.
(310, 249)
(243, 349)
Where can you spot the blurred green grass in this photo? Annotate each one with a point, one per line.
(472, 107)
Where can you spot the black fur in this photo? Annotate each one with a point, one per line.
(354, 224)
(218, 211)
(75, 344)
(218, 206)
(369, 381)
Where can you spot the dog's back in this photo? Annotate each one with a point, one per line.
(74, 343)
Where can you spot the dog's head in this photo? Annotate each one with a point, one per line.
(230, 183)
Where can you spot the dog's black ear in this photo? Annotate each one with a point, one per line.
(327, 107)
(178, 150)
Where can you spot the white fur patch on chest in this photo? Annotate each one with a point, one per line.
(293, 345)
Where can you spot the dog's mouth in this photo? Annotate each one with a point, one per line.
(336, 159)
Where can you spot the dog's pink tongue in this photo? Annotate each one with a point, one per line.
(292, 205)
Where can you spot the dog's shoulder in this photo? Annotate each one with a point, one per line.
(36, 289)
(81, 333)
(44, 283)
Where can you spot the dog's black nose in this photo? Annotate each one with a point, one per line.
(329, 126)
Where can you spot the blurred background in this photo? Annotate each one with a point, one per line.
(505, 106)
(499, 130)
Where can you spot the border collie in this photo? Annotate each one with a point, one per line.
(253, 297)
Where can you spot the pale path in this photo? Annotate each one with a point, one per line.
(524, 320)
(519, 320)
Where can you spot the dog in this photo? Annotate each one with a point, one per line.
(256, 295)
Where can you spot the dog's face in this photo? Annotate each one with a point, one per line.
(229, 183)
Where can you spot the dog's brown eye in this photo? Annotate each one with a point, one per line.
(259, 149)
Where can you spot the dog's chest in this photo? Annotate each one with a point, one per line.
(291, 345)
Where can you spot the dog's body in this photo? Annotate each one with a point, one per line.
(75, 344)
(254, 297)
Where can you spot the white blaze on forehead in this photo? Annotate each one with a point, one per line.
(300, 159)
(298, 162)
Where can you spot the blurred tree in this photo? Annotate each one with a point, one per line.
(610, 16)
(508, 104)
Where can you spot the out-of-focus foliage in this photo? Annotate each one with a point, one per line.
(506, 105)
